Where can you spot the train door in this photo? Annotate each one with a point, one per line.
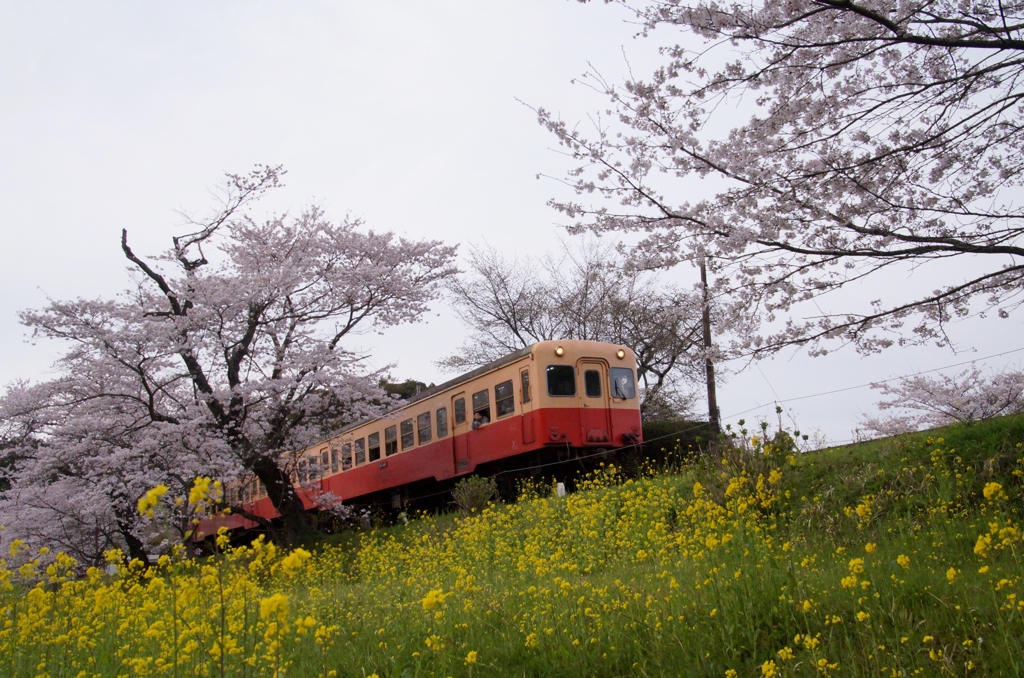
(595, 417)
(460, 427)
(526, 399)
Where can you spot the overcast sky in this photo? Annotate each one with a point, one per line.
(409, 115)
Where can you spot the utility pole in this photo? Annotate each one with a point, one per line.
(714, 418)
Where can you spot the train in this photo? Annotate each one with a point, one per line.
(551, 403)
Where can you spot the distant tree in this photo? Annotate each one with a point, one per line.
(403, 390)
(802, 147)
(588, 293)
(224, 356)
(924, 401)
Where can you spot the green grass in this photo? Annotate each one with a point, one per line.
(863, 560)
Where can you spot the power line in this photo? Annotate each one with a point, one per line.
(880, 381)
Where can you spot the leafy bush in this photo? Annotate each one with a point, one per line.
(474, 493)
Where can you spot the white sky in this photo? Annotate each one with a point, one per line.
(118, 114)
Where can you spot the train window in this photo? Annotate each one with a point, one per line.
(323, 462)
(423, 432)
(524, 377)
(346, 456)
(303, 471)
(360, 451)
(561, 380)
(374, 440)
(482, 406)
(592, 383)
(407, 436)
(481, 400)
(442, 422)
(460, 411)
(334, 458)
(504, 398)
(622, 383)
(390, 440)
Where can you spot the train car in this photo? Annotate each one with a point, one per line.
(552, 402)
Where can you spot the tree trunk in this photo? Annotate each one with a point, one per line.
(296, 525)
(136, 549)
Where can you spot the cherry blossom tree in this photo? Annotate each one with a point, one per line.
(808, 146)
(923, 401)
(585, 293)
(225, 356)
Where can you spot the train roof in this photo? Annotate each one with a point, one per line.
(472, 374)
(434, 390)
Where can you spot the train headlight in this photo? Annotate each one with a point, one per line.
(559, 351)
(620, 354)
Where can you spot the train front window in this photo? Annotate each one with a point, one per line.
(504, 398)
(592, 383)
(561, 380)
(408, 440)
(460, 411)
(390, 440)
(423, 432)
(442, 422)
(623, 385)
(374, 440)
(360, 451)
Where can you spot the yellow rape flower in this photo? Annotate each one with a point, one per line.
(149, 501)
(993, 491)
(294, 561)
(433, 598)
(274, 606)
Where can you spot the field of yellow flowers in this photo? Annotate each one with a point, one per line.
(896, 558)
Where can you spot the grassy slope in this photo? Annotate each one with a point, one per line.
(650, 592)
(898, 557)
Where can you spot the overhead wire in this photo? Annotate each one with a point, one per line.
(878, 381)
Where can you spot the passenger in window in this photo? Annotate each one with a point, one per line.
(480, 418)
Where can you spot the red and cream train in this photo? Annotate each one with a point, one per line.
(550, 402)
